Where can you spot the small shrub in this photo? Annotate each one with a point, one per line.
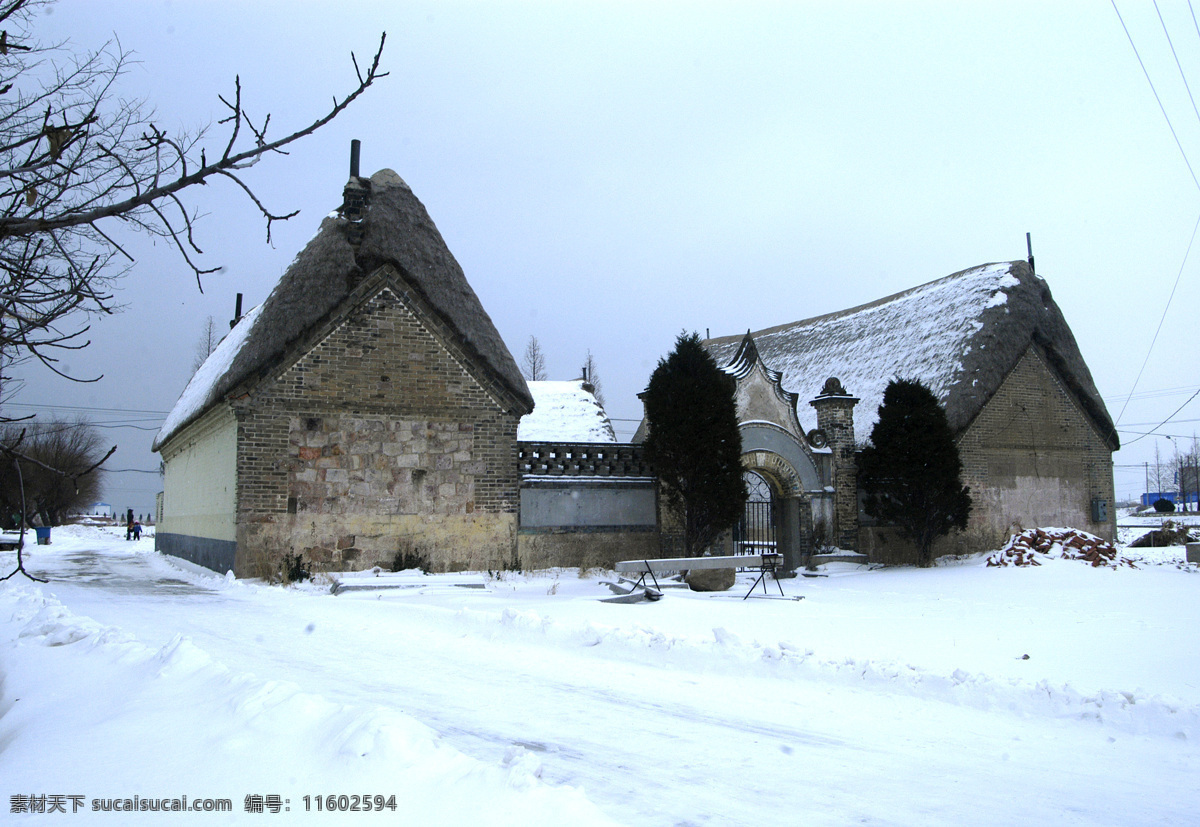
(409, 557)
(294, 570)
(1164, 506)
(820, 539)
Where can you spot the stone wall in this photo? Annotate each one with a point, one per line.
(377, 441)
(585, 549)
(591, 504)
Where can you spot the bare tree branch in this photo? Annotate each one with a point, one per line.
(75, 156)
(29, 226)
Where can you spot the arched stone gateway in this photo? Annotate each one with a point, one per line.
(810, 471)
(783, 477)
(785, 522)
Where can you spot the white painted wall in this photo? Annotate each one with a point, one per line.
(200, 486)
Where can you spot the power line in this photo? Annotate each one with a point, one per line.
(1156, 433)
(1179, 65)
(1158, 329)
(1165, 421)
(1162, 108)
(135, 427)
(1147, 424)
(84, 408)
(1192, 240)
(1154, 394)
(1194, 21)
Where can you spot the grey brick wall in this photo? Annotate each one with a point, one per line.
(1032, 457)
(374, 439)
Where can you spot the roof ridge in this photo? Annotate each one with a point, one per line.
(959, 334)
(850, 311)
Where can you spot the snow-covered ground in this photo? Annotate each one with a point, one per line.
(957, 695)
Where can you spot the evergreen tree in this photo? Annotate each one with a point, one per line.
(911, 470)
(693, 443)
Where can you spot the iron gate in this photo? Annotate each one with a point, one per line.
(755, 532)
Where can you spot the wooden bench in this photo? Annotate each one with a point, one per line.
(766, 563)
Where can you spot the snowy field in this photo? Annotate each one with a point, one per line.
(1062, 694)
(1132, 524)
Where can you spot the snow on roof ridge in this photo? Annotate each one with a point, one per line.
(400, 241)
(850, 311)
(952, 334)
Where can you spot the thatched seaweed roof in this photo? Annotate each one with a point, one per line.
(960, 335)
(398, 232)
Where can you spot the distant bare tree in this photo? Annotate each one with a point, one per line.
(591, 375)
(51, 489)
(53, 456)
(1160, 477)
(1184, 475)
(78, 160)
(209, 339)
(533, 364)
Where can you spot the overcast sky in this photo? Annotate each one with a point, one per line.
(609, 174)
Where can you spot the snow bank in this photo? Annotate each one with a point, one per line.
(162, 722)
(721, 651)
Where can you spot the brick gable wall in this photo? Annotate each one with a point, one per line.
(377, 441)
(1031, 458)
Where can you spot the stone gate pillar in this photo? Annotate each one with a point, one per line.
(835, 416)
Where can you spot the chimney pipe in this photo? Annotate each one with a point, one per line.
(354, 149)
(1029, 247)
(237, 312)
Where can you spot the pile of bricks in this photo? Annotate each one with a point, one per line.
(1030, 547)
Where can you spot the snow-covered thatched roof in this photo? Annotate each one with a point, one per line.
(398, 232)
(565, 412)
(960, 335)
